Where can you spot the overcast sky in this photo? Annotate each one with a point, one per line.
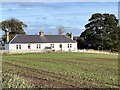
(50, 15)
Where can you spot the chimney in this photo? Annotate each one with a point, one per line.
(41, 33)
(7, 37)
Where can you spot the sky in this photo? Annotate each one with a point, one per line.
(49, 16)
(59, 0)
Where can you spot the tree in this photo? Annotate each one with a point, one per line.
(102, 32)
(68, 34)
(13, 26)
(81, 44)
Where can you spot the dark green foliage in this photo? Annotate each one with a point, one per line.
(68, 34)
(14, 26)
(102, 32)
(81, 43)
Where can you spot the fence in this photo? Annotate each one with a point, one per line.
(23, 51)
(96, 51)
(42, 51)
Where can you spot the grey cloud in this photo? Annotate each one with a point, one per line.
(45, 5)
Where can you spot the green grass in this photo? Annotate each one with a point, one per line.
(72, 69)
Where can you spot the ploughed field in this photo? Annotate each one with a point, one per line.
(60, 70)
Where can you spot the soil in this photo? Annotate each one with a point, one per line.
(41, 78)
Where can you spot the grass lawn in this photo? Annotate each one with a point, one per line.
(64, 69)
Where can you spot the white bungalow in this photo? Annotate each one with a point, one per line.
(41, 42)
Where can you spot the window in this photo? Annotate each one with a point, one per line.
(16, 46)
(60, 45)
(69, 45)
(19, 46)
(28, 46)
(52, 45)
(38, 46)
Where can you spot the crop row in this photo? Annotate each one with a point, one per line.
(53, 70)
(11, 80)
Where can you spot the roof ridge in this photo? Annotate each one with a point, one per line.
(27, 35)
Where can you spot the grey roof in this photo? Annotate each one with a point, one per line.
(20, 38)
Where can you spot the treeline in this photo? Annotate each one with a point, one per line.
(101, 33)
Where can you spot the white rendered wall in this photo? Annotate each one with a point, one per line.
(23, 46)
(57, 46)
(33, 46)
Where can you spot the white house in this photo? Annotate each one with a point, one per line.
(41, 42)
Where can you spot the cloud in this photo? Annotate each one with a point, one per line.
(11, 9)
(39, 4)
(51, 27)
(51, 15)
